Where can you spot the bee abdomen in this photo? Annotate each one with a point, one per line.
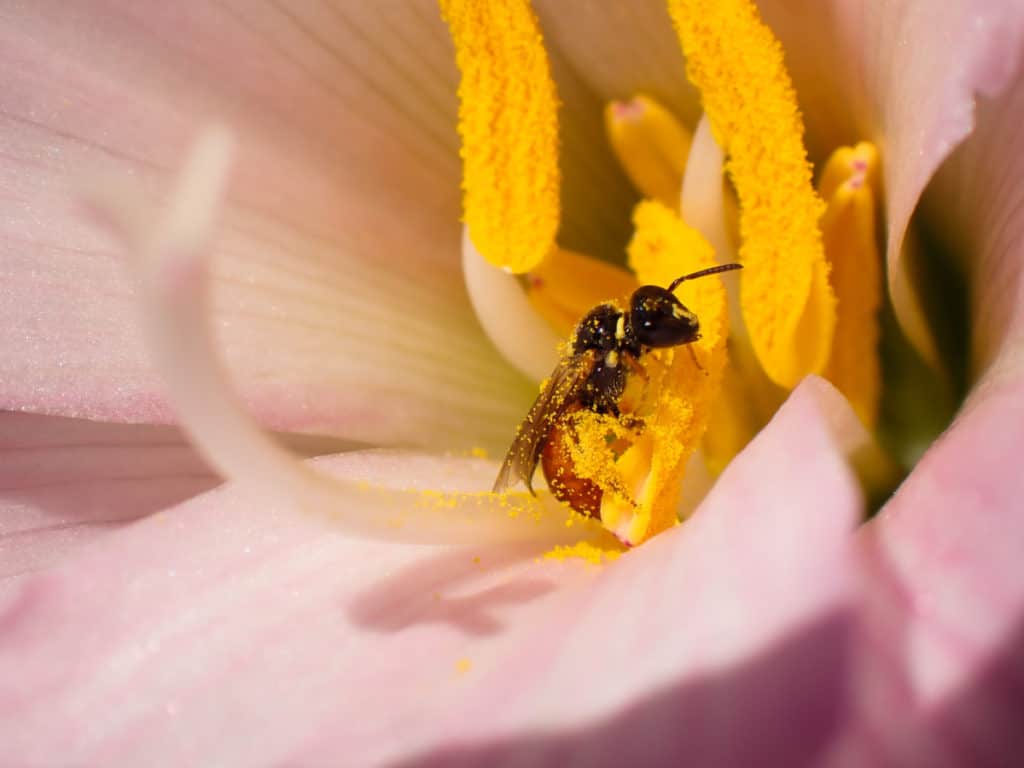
(566, 485)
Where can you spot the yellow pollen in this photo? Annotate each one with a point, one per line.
(849, 184)
(612, 359)
(509, 127)
(567, 285)
(651, 145)
(786, 299)
(596, 554)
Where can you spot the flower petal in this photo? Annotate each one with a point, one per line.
(974, 205)
(321, 298)
(63, 482)
(941, 671)
(227, 631)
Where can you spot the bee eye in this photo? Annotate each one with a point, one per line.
(659, 319)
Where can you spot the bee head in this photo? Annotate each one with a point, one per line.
(659, 319)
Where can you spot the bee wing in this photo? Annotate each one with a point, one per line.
(560, 391)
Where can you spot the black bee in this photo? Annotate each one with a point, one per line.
(607, 344)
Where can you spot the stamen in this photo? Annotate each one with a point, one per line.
(518, 332)
(748, 397)
(737, 64)
(567, 285)
(848, 184)
(703, 199)
(509, 126)
(859, 163)
(171, 264)
(650, 144)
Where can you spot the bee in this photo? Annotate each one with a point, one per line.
(607, 345)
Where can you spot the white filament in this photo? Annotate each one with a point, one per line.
(703, 206)
(702, 200)
(521, 335)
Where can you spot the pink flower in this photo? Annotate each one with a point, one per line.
(142, 620)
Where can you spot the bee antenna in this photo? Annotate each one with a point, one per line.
(704, 273)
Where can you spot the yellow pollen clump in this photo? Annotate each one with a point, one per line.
(567, 285)
(509, 126)
(787, 302)
(849, 184)
(651, 145)
(585, 550)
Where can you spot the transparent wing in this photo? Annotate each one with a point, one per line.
(560, 391)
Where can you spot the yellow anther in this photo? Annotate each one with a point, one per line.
(567, 285)
(848, 227)
(509, 126)
(651, 145)
(641, 476)
(858, 162)
(737, 64)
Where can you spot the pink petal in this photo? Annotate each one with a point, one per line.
(974, 204)
(334, 318)
(941, 675)
(63, 482)
(224, 631)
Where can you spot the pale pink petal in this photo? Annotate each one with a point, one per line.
(224, 631)
(974, 204)
(64, 481)
(941, 680)
(339, 293)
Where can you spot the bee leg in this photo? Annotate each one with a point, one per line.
(613, 482)
(633, 423)
(693, 356)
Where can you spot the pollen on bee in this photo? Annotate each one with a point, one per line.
(559, 466)
(611, 359)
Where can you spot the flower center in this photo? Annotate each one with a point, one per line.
(806, 302)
